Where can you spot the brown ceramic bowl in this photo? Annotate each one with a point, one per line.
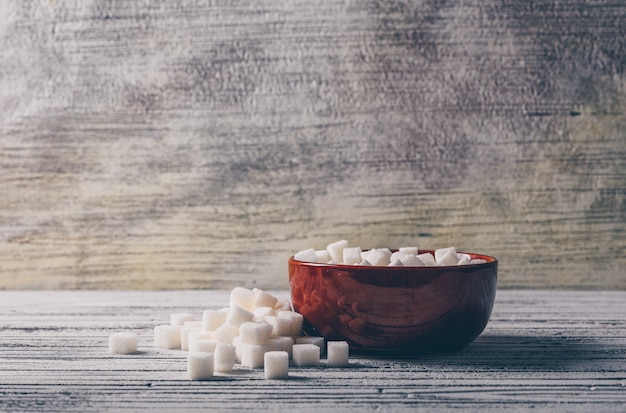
(395, 310)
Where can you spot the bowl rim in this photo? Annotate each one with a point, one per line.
(490, 260)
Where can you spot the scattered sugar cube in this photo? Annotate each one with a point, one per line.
(276, 364)
(205, 345)
(281, 344)
(336, 250)
(338, 353)
(307, 255)
(261, 312)
(226, 333)
(296, 321)
(224, 357)
(241, 297)
(427, 258)
(212, 319)
(281, 326)
(263, 299)
(306, 355)
(318, 341)
(322, 255)
(352, 255)
(193, 337)
(184, 336)
(123, 343)
(167, 336)
(252, 354)
(179, 319)
(200, 366)
(238, 315)
(412, 261)
(255, 332)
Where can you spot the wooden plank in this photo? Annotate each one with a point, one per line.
(542, 350)
(148, 144)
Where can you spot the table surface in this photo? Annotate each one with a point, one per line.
(546, 350)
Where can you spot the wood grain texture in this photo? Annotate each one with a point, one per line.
(198, 144)
(545, 351)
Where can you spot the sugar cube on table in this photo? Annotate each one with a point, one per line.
(194, 337)
(336, 250)
(306, 355)
(255, 332)
(281, 326)
(276, 365)
(184, 335)
(226, 333)
(238, 315)
(241, 297)
(281, 344)
(200, 366)
(167, 336)
(123, 343)
(178, 319)
(337, 353)
(318, 341)
(205, 345)
(296, 321)
(263, 299)
(212, 319)
(307, 255)
(224, 357)
(251, 355)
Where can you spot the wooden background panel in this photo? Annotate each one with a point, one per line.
(200, 143)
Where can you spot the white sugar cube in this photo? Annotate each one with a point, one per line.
(224, 357)
(408, 250)
(307, 255)
(443, 251)
(200, 366)
(396, 263)
(463, 256)
(261, 312)
(336, 250)
(306, 355)
(167, 336)
(427, 258)
(205, 345)
(478, 261)
(179, 319)
(212, 319)
(281, 326)
(193, 337)
(241, 297)
(276, 365)
(318, 341)
(123, 343)
(281, 344)
(464, 261)
(338, 353)
(252, 354)
(296, 321)
(282, 305)
(255, 332)
(226, 333)
(448, 258)
(352, 255)
(397, 255)
(263, 299)
(377, 258)
(322, 255)
(184, 336)
(238, 315)
(365, 263)
(412, 261)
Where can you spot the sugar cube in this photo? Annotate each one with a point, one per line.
(281, 326)
(178, 319)
(336, 250)
(238, 315)
(226, 333)
(123, 343)
(427, 258)
(205, 345)
(261, 312)
(255, 332)
(263, 299)
(408, 250)
(184, 336)
(322, 256)
(439, 253)
(307, 255)
(194, 336)
(306, 355)
(318, 341)
(352, 255)
(377, 258)
(448, 258)
(276, 364)
(212, 319)
(200, 366)
(241, 297)
(281, 344)
(337, 353)
(224, 357)
(282, 305)
(167, 336)
(296, 321)
(252, 354)
(412, 261)
(396, 263)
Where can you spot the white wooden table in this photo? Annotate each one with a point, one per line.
(546, 350)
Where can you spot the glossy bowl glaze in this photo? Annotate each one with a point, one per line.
(395, 310)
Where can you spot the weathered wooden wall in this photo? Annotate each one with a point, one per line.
(167, 144)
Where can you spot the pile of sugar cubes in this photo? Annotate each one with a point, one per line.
(341, 252)
(256, 330)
